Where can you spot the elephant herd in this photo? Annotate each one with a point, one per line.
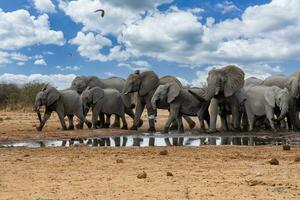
(242, 104)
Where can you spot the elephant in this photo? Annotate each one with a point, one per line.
(145, 84)
(80, 83)
(181, 102)
(292, 83)
(253, 81)
(104, 101)
(261, 100)
(64, 102)
(224, 85)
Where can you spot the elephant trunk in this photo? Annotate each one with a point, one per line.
(153, 102)
(283, 113)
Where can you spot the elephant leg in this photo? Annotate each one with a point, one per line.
(151, 112)
(71, 124)
(201, 122)
(180, 125)
(129, 112)
(250, 117)
(61, 117)
(47, 115)
(125, 126)
(171, 118)
(191, 123)
(82, 120)
(224, 122)
(213, 111)
(116, 123)
(107, 122)
(138, 113)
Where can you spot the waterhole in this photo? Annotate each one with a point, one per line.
(158, 140)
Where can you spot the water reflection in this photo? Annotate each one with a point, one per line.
(157, 140)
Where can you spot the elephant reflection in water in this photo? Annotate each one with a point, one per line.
(98, 141)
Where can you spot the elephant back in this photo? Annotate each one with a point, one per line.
(169, 79)
(108, 83)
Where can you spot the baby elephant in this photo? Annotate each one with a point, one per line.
(64, 102)
(261, 100)
(104, 101)
(181, 102)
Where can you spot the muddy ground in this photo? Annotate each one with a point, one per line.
(80, 172)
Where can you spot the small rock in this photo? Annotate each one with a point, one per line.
(119, 161)
(258, 174)
(26, 155)
(286, 147)
(273, 161)
(142, 175)
(163, 152)
(255, 182)
(297, 159)
(169, 174)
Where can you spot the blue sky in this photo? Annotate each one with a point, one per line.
(54, 40)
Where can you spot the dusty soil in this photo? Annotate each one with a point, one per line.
(81, 172)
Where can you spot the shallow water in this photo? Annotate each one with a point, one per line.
(157, 140)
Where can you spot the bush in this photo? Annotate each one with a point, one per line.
(14, 98)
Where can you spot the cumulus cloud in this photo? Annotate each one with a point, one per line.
(9, 57)
(118, 13)
(19, 29)
(68, 68)
(227, 7)
(129, 66)
(44, 6)
(40, 62)
(57, 80)
(141, 63)
(263, 35)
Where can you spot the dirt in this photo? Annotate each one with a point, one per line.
(81, 172)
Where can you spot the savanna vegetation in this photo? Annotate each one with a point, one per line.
(14, 97)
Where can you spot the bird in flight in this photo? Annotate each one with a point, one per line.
(102, 12)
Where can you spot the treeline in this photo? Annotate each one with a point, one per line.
(14, 97)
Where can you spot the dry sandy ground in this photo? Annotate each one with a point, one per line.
(111, 173)
(81, 172)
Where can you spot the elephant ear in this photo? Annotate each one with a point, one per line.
(149, 81)
(235, 78)
(294, 87)
(270, 96)
(97, 93)
(52, 95)
(173, 92)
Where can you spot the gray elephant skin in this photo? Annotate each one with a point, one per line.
(224, 86)
(64, 102)
(292, 83)
(106, 101)
(80, 83)
(181, 102)
(145, 84)
(261, 100)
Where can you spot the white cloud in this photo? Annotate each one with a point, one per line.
(57, 80)
(9, 57)
(109, 74)
(118, 13)
(89, 45)
(141, 63)
(19, 29)
(126, 65)
(48, 53)
(227, 7)
(68, 68)
(20, 63)
(44, 6)
(40, 62)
